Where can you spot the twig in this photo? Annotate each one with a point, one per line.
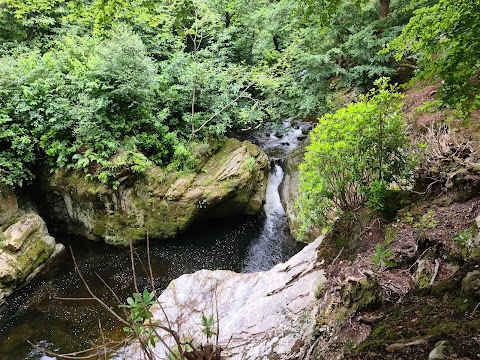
(437, 266)
(220, 111)
(105, 306)
(311, 349)
(397, 346)
(419, 258)
(370, 320)
(216, 311)
(96, 298)
(78, 354)
(474, 310)
(110, 289)
(133, 268)
(73, 299)
(103, 340)
(336, 258)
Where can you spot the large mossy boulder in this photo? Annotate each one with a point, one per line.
(159, 204)
(25, 245)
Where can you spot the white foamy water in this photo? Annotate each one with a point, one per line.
(270, 247)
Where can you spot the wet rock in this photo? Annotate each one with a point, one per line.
(25, 245)
(263, 315)
(231, 182)
(289, 189)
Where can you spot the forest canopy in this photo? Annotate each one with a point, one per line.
(107, 87)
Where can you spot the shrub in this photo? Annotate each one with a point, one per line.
(354, 155)
(87, 104)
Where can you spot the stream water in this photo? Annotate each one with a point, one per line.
(53, 313)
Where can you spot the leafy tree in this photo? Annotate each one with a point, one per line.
(87, 102)
(360, 150)
(30, 24)
(106, 87)
(444, 38)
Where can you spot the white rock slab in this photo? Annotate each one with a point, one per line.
(263, 315)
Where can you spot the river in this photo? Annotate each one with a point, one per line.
(54, 311)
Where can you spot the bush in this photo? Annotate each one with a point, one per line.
(354, 156)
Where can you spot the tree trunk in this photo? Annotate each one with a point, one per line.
(384, 8)
(228, 17)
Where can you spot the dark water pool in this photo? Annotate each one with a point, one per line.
(36, 314)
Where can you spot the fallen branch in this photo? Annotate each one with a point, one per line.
(336, 258)
(398, 346)
(437, 267)
(312, 349)
(370, 320)
(474, 310)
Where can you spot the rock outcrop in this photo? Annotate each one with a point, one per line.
(289, 192)
(232, 181)
(289, 188)
(263, 315)
(25, 245)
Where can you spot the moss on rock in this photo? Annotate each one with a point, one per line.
(26, 249)
(158, 203)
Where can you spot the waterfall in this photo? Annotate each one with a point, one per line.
(269, 248)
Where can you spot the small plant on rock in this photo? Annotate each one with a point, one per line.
(139, 305)
(463, 237)
(250, 164)
(381, 256)
(207, 326)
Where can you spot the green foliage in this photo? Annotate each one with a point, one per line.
(30, 24)
(251, 164)
(463, 237)
(207, 326)
(16, 143)
(16, 153)
(443, 37)
(105, 87)
(380, 258)
(89, 105)
(139, 305)
(360, 150)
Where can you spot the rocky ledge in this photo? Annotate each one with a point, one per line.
(263, 315)
(25, 245)
(232, 181)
